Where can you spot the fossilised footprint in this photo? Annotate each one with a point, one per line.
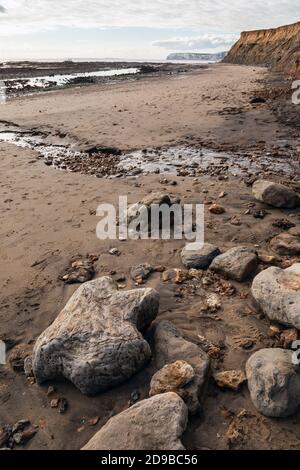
(96, 341)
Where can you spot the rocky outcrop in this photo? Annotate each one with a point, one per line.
(277, 48)
(154, 424)
(96, 342)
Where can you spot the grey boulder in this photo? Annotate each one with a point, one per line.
(238, 263)
(199, 257)
(154, 424)
(274, 382)
(169, 347)
(274, 194)
(96, 341)
(277, 293)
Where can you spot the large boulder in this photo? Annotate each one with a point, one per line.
(96, 342)
(169, 347)
(154, 424)
(274, 194)
(238, 263)
(274, 382)
(277, 293)
(197, 256)
(287, 243)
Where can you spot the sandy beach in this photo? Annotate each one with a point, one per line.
(48, 218)
(151, 113)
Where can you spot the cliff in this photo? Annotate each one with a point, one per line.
(216, 57)
(278, 48)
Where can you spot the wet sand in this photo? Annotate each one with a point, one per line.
(48, 217)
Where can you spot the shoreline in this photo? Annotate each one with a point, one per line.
(34, 78)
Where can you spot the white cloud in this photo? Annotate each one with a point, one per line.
(202, 15)
(206, 41)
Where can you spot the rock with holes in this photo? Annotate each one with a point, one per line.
(274, 382)
(199, 256)
(287, 243)
(172, 378)
(230, 379)
(277, 293)
(274, 194)
(238, 263)
(154, 424)
(96, 342)
(170, 346)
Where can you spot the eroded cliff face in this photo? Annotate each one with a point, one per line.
(278, 48)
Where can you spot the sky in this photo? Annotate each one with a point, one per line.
(131, 29)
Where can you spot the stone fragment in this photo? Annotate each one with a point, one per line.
(79, 272)
(230, 379)
(172, 378)
(217, 209)
(142, 271)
